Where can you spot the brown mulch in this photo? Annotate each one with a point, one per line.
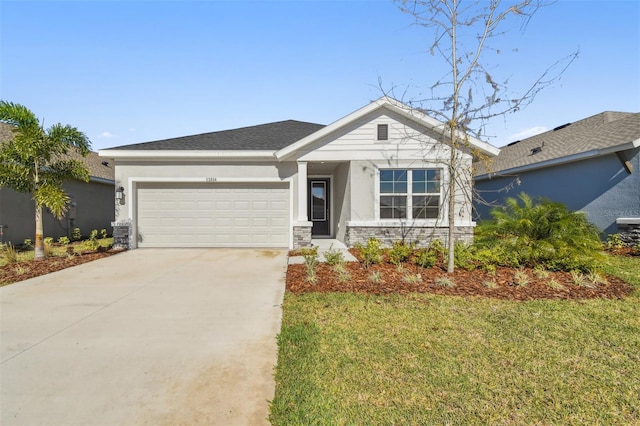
(467, 283)
(20, 271)
(625, 251)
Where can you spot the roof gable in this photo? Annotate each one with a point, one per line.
(385, 102)
(600, 134)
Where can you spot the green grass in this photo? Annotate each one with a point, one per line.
(428, 359)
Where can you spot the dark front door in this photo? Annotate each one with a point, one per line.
(319, 206)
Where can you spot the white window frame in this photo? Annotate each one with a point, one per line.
(409, 195)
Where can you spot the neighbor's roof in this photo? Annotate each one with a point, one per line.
(100, 168)
(264, 137)
(600, 134)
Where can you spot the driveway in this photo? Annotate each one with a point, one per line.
(150, 336)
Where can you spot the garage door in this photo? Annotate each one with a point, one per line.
(213, 215)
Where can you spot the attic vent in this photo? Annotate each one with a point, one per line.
(536, 150)
(105, 163)
(383, 132)
(562, 127)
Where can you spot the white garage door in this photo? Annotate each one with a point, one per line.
(213, 215)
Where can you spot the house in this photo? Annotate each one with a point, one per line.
(591, 165)
(377, 172)
(91, 203)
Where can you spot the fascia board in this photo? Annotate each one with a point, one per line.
(562, 160)
(186, 154)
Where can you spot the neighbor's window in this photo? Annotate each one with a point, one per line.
(383, 132)
(410, 194)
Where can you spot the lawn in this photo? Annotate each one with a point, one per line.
(432, 359)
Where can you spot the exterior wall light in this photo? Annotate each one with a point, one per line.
(120, 193)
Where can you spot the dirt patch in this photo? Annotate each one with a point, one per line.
(503, 284)
(20, 271)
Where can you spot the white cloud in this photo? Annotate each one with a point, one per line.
(132, 129)
(527, 133)
(107, 135)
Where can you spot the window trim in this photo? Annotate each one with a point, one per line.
(409, 195)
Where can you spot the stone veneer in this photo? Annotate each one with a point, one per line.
(301, 236)
(630, 233)
(421, 235)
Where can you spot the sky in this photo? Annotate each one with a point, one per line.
(126, 72)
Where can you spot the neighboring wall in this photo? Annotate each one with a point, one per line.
(93, 209)
(600, 187)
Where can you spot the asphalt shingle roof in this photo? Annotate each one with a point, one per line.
(95, 164)
(264, 137)
(604, 130)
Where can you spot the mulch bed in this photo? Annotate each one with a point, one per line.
(24, 270)
(467, 283)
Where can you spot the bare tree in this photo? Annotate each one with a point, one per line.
(467, 96)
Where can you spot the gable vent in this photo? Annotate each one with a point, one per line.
(383, 132)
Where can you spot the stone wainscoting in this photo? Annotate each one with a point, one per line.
(629, 231)
(420, 235)
(301, 236)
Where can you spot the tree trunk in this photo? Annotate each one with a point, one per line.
(39, 244)
(451, 214)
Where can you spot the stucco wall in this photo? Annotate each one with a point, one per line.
(94, 210)
(600, 187)
(341, 199)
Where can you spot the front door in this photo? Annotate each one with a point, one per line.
(319, 206)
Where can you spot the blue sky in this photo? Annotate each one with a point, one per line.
(134, 71)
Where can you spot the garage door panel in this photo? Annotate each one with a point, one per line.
(213, 215)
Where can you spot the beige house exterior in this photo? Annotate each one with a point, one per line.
(380, 171)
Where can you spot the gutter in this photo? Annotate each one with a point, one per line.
(184, 154)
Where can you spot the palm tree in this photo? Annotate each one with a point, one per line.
(35, 161)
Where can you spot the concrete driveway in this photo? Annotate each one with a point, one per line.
(150, 336)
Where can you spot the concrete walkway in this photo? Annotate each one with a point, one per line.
(146, 337)
(324, 245)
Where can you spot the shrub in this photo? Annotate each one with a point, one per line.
(343, 274)
(63, 241)
(48, 243)
(27, 244)
(93, 235)
(92, 244)
(614, 241)
(412, 278)
(399, 252)
(542, 233)
(9, 252)
(636, 249)
(103, 233)
(76, 235)
(445, 282)
(333, 257)
(310, 262)
(372, 252)
(375, 277)
(464, 256)
(520, 278)
(425, 258)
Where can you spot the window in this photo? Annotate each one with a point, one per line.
(410, 194)
(383, 132)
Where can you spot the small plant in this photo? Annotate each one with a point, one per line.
(63, 241)
(372, 252)
(92, 244)
(445, 282)
(343, 274)
(20, 270)
(308, 251)
(400, 268)
(425, 258)
(614, 241)
(76, 235)
(412, 278)
(103, 233)
(552, 283)
(540, 272)
(375, 277)
(636, 249)
(399, 252)
(464, 256)
(492, 284)
(48, 246)
(580, 279)
(27, 244)
(9, 252)
(310, 262)
(596, 278)
(333, 257)
(93, 235)
(520, 278)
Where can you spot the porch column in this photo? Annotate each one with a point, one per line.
(302, 192)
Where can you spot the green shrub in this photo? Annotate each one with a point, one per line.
(334, 257)
(103, 233)
(614, 241)
(27, 244)
(63, 241)
(93, 235)
(464, 256)
(375, 277)
(48, 245)
(542, 233)
(310, 263)
(399, 252)
(9, 253)
(91, 244)
(76, 235)
(372, 252)
(425, 258)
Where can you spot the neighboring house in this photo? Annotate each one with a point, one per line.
(591, 165)
(91, 203)
(380, 171)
